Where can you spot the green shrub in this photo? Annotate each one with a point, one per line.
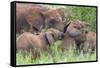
(86, 14)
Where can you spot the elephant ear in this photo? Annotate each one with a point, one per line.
(49, 38)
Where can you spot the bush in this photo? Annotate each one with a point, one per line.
(86, 14)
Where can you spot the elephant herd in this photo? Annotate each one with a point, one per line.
(38, 27)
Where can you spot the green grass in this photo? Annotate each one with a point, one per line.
(57, 57)
(86, 14)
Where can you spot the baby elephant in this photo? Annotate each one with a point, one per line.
(89, 46)
(74, 35)
(28, 42)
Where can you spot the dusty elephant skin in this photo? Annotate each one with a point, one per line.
(28, 42)
(74, 35)
(29, 18)
(68, 43)
(77, 30)
(55, 18)
(33, 18)
(89, 46)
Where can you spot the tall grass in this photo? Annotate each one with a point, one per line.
(87, 14)
(56, 57)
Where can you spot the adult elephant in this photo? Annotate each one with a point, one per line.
(33, 18)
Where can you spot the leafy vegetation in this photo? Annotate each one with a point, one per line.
(86, 14)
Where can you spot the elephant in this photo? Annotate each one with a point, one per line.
(55, 18)
(28, 42)
(89, 46)
(74, 35)
(34, 18)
